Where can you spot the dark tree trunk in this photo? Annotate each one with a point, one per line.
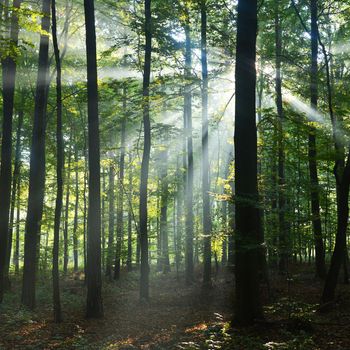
(205, 152)
(283, 239)
(340, 242)
(129, 259)
(57, 315)
(16, 252)
(110, 248)
(314, 187)
(164, 195)
(247, 296)
(103, 205)
(66, 212)
(85, 203)
(94, 306)
(179, 211)
(189, 185)
(120, 211)
(37, 167)
(8, 92)
(75, 225)
(144, 279)
(15, 180)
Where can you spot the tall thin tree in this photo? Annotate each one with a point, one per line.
(59, 171)
(9, 68)
(247, 296)
(94, 307)
(205, 150)
(144, 278)
(37, 165)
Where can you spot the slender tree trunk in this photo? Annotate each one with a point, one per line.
(144, 279)
(111, 207)
(15, 180)
(189, 185)
(283, 239)
(66, 212)
(164, 195)
(103, 233)
(57, 315)
(37, 167)
(9, 68)
(94, 306)
(85, 202)
(179, 211)
(129, 259)
(120, 212)
(247, 296)
(75, 225)
(205, 152)
(16, 252)
(314, 187)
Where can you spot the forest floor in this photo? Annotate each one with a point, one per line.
(178, 316)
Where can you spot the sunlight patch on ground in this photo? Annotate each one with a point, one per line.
(196, 328)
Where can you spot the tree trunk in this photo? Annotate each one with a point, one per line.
(144, 278)
(16, 252)
(9, 68)
(247, 296)
(66, 212)
(37, 166)
(164, 195)
(129, 259)
(314, 186)
(103, 205)
(205, 152)
(120, 210)
(111, 207)
(283, 239)
(75, 225)
(57, 315)
(15, 180)
(189, 185)
(94, 306)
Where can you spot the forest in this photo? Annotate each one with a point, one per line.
(174, 174)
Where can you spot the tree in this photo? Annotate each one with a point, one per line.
(59, 172)
(37, 165)
(9, 68)
(205, 151)
(144, 278)
(247, 294)
(314, 186)
(94, 307)
(188, 131)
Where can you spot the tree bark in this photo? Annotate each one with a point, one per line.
(120, 210)
(57, 314)
(75, 224)
(144, 278)
(37, 166)
(94, 307)
(205, 152)
(129, 259)
(9, 68)
(247, 295)
(314, 186)
(111, 207)
(189, 269)
(15, 186)
(66, 212)
(283, 239)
